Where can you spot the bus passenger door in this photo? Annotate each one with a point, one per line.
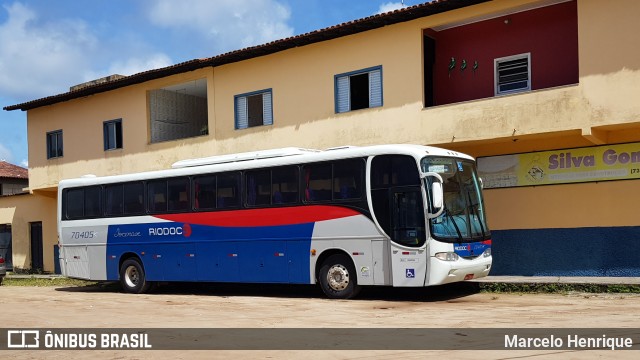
(408, 236)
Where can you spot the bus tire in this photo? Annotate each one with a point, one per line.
(132, 277)
(338, 278)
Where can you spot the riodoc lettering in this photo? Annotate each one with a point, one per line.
(165, 231)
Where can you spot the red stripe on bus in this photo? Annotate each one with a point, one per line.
(262, 217)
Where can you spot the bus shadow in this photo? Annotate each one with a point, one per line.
(420, 294)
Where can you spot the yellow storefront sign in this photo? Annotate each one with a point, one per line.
(598, 163)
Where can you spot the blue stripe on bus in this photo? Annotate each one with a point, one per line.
(181, 252)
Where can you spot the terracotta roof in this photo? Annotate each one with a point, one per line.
(12, 171)
(333, 32)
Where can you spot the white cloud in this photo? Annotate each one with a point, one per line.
(231, 24)
(39, 58)
(390, 6)
(5, 154)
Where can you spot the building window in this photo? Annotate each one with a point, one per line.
(54, 144)
(112, 134)
(513, 74)
(179, 111)
(254, 109)
(359, 89)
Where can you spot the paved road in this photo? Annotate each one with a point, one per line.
(210, 306)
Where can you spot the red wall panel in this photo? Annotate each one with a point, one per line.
(550, 34)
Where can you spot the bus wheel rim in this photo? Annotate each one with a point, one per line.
(338, 277)
(131, 276)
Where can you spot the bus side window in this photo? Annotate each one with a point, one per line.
(258, 184)
(133, 198)
(347, 179)
(157, 196)
(205, 192)
(178, 194)
(113, 199)
(317, 180)
(84, 202)
(227, 190)
(93, 201)
(75, 203)
(284, 182)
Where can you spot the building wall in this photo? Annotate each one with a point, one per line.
(600, 108)
(586, 229)
(20, 211)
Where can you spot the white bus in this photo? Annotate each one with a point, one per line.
(394, 215)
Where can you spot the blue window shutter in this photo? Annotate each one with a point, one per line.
(105, 130)
(267, 109)
(375, 88)
(242, 118)
(342, 96)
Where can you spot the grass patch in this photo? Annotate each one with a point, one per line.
(41, 282)
(555, 288)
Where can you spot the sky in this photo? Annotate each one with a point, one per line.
(47, 46)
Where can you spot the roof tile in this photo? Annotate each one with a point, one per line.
(12, 171)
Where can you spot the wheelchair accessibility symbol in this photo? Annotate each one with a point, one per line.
(411, 273)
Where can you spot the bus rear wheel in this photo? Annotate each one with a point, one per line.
(338, 278)
(132, 277)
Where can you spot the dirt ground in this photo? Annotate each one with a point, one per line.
(235, 306)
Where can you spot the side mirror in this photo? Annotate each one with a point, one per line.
(437, 194)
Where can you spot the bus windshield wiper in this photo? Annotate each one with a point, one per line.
(453, 221)
(475, 212)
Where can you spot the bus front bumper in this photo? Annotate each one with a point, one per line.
(459, 270)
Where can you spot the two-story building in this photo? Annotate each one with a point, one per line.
(542, 91)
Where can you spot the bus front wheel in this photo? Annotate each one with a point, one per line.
(338, 278)
(132, 277)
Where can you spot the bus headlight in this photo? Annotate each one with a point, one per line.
(447, 256)
(487, 253)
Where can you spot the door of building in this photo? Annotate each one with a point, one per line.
(37, 260)
(5, 245)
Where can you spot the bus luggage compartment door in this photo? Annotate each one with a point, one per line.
(74, 261)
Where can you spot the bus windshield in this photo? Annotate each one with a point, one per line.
(463, 218)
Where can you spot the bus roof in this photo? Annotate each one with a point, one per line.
(265, 158)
